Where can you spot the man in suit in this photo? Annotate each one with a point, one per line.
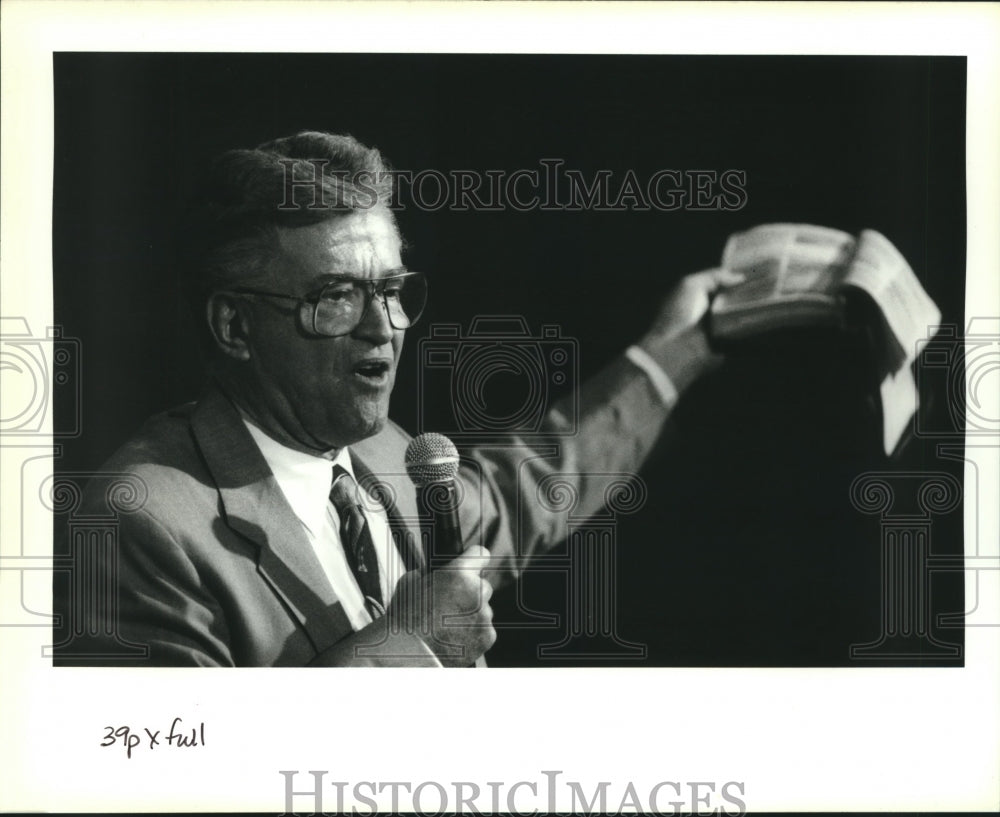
(275, 528)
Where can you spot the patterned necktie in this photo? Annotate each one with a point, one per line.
(357, 539)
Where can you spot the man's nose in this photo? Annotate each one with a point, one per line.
(375, 326)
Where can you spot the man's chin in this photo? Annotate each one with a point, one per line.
(367, 424)
(374, 428)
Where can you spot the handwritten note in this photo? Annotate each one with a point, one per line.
(179, 736)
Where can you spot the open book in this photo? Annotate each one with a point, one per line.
(797, 275)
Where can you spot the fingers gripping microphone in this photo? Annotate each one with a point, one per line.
(432, 465)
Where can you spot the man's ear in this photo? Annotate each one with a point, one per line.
(229, 325)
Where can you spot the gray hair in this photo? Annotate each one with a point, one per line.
(229, 233)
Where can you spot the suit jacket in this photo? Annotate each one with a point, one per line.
(214, 568)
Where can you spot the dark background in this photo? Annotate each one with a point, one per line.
(748, 550)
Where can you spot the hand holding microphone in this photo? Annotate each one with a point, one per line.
(449, 609)
(448, 604)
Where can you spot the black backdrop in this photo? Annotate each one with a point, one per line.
(748, 550)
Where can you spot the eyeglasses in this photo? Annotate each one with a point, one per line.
(343, 302)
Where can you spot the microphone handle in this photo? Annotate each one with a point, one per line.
(440, 500)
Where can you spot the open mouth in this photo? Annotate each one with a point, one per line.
(373, 371)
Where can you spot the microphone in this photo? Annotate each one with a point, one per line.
(432, 464)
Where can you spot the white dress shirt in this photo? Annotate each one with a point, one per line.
(305, 480)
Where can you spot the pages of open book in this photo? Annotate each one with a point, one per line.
(900, 401)
(785, 260)
(910, 317)
(879, 269)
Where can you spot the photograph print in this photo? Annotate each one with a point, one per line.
(509, 360)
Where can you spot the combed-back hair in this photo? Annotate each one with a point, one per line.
(228, 232)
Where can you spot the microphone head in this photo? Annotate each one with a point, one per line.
(431, 458)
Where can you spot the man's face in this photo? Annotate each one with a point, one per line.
(314, 392)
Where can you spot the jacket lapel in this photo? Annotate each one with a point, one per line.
(254, 507)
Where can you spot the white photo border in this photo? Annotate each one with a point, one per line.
(799, 739)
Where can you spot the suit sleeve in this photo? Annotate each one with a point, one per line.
(156, 603)
(607, 432)
(377, 646)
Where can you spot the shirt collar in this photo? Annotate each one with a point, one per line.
(304, 479)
